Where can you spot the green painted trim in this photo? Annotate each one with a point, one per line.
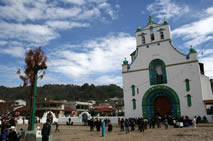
(189, 100)
(153, 74)
(151, 105)
(134, 104)
(181, 63)
(187, 84)
(133, 90)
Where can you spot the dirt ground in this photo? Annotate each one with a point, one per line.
(204, 132)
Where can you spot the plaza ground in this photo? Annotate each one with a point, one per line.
(204, 132)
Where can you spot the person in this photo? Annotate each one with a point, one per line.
(174, 122)
(4, 134)
(12, 134)
(126, 124)
(166, 123)
(3, 125)
(57, 127)
(142, 125)
(109, 126)
(12, 122)
(46, 130)
(150, 123)
(132, 125)
(98, 126)
(145, 123)
(194, 123)
(158, 121)
(119, 121)
(122, 124)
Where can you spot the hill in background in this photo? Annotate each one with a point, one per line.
(64, 92)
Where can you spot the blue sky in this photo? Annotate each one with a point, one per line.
(87, 40)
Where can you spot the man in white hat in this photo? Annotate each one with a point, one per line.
(12, 134)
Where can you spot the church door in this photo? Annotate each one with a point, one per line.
(162, 106)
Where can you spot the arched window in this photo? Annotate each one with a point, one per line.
(134, 104)
(133, 90)
(143, 39)
(187, 84)
(189, 101)
(161, 35)
(152, 34)
(157, 72)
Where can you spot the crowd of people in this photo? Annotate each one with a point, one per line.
(9, 133)
(142, 124)
(98, 123)
(8, 129)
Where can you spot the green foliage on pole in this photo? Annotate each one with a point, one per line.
(35, 61)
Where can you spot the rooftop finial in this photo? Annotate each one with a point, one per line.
(125, 62)
(165, 21)
(192, 50)
(138, 29)
(150, 20)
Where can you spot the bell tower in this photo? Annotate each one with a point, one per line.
(153, 33)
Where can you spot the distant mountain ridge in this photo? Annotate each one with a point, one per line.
(64, 92)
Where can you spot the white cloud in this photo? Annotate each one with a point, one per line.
(65, 24)
(27, 32)
(62, 13)
(109, 79)
(2, 43)
(35, 23)
(208, 65)
(197, 32)
(49, 78)
(166, 9)
(8, 74)
(44, 10)
(207, 52)
(210, 11)
(101, 56)
(78, 2)
(14, 51)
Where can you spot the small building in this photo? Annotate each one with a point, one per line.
(54, 106)
(79, 106)
(104, 110)
(69, 111)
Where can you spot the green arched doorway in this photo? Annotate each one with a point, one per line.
(160, 99)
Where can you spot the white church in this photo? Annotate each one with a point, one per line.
(161, 80)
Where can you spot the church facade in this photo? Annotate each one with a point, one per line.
(161, 80)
